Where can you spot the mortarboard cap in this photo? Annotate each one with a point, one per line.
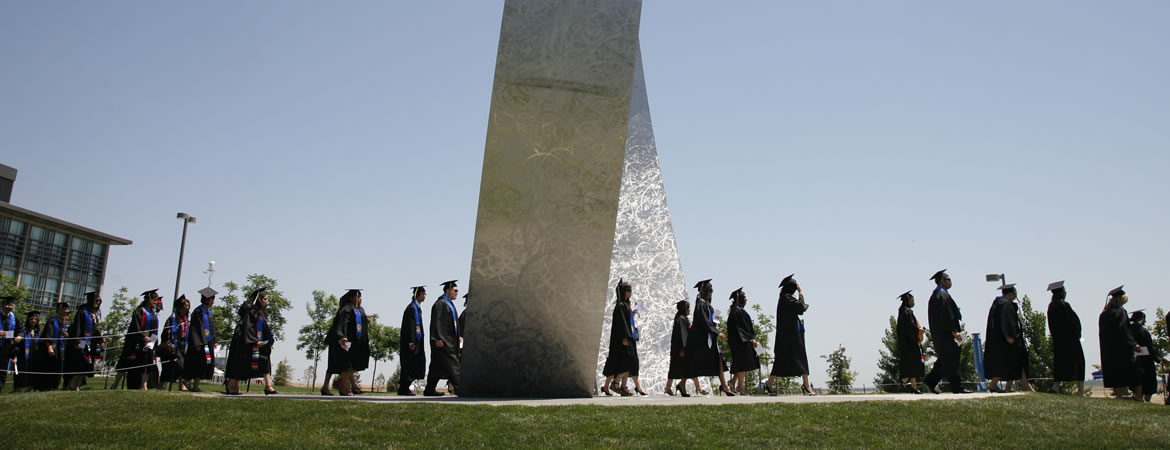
(91, 296)
(415, 290)
(32, 314)
(938, 275)
(1056, 285)
(255, 295)
(1007, 287)
(906, 295)
(151, 294)
(7, 300)
(736, 294)
(465, 295)
(1138, 315)
(207, 292)
(353, 292)
(62, 305)
(1120, 290)
(700, 284)
(450, 284)
(788, 281)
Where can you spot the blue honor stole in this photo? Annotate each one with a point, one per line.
(9, 325)
(633, 326)
(357, 323)
(418, 334)
(454, 318)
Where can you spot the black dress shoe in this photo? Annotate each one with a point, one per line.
(406, 393)
(432, 393)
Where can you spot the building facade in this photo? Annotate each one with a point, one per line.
(53, 259)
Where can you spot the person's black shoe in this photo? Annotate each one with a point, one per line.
(432, 393)
(930, 388)
(406, 393)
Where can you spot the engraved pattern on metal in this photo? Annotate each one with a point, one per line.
(644, 249)
(552, 174)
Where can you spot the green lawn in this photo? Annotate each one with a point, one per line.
(158, 419)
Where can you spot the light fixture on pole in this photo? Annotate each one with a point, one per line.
(993, 277)
(210, 271)
(187, 219)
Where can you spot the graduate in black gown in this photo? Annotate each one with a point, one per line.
(81, 354)
(791, 358)
(1068, 358)
(444, 342)
(703, 357)
(623, 341)
(943, 316)
(250, 355)
(349, 342)
(52, 354)
(176, 338)
(412, 342)
(141, 338)
(1006, 354)
(199, 361)
(909, 335)
(10, 337)
(1118, 367)
(24, 352)
(741, 339)
(1147, 363)
(678, 349)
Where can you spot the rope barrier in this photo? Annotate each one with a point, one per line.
(92, 371)
(104, 336)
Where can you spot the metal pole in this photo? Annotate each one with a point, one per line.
(182, 247)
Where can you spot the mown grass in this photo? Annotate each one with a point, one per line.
(158, 419)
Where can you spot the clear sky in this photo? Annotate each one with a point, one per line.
(862, 145)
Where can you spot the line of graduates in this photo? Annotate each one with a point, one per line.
(694, 349)
(446, 338)
(1128, 356)
(65, 351)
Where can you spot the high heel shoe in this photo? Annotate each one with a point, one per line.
(807, 391)
(326, 392)
(668, 390)
(270, 391)
(605, 389)
(625, 392)
(682, 389)
(769, 389)
(639, 391)
(723, 388)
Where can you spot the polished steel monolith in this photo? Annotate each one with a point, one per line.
(552, 176)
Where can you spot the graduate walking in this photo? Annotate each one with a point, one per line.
(250, 354)
(1118, 346)
(703, 356)
(1068, 358)
(791, 354)
(175, 339)
(138, 345)
(80, 354)
(349, 343)
(52, 357)
(444, 342)
(943, 316)
(741, 339)
(678, 349)
(199, 361)
(412, 343)
(10, 337)
(909, 338)
(622, 357)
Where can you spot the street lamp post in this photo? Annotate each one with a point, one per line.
(993, 277)
(187, 219)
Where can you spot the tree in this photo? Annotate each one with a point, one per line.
(1161, 335)
(115, 321)
(311, 337)
(283, 373)
(384, 342)
(9, 288)
(310, 373)
(840, 377)
(225, 308)
(380, 380)
(888, 378)
(228, 306)
(764, 325)
(1038, 342)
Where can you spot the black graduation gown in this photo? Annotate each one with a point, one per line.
(678, 344)
(621, 358)
(944, 316)
(414, 362)
(173, 349)
(51, 364)
(245, 359)
(791, 356)
(1000, 358)
(346, 326)
(1146, 373)
(1068, 358)
(444, 327)
(143, 323)
(8, 347)
(703, 359)
(199, 361)
(740, 334)
(79, 354)
(1116, 341)
(25, 353)
(909, 348)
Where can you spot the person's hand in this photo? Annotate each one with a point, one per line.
(799, 289)
(146, 339)
(754, 344)
(722, 337)
(51, 352)
(1137, 348)
(439, 344)
(957, 335)
(17, 339)
(343, 341)
(626, 342)
(1011, 340)
(412, 347)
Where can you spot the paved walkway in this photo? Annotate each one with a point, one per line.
(653, 400)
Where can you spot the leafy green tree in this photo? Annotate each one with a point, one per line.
(9, 288)
(225, 308)
(311, 337)
(228, 305)
(283, 373)
(1038, 342)
(115, 321)
(889, 362)
(384, 341)
(840, 377)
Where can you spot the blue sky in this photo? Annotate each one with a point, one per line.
(862, 145)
